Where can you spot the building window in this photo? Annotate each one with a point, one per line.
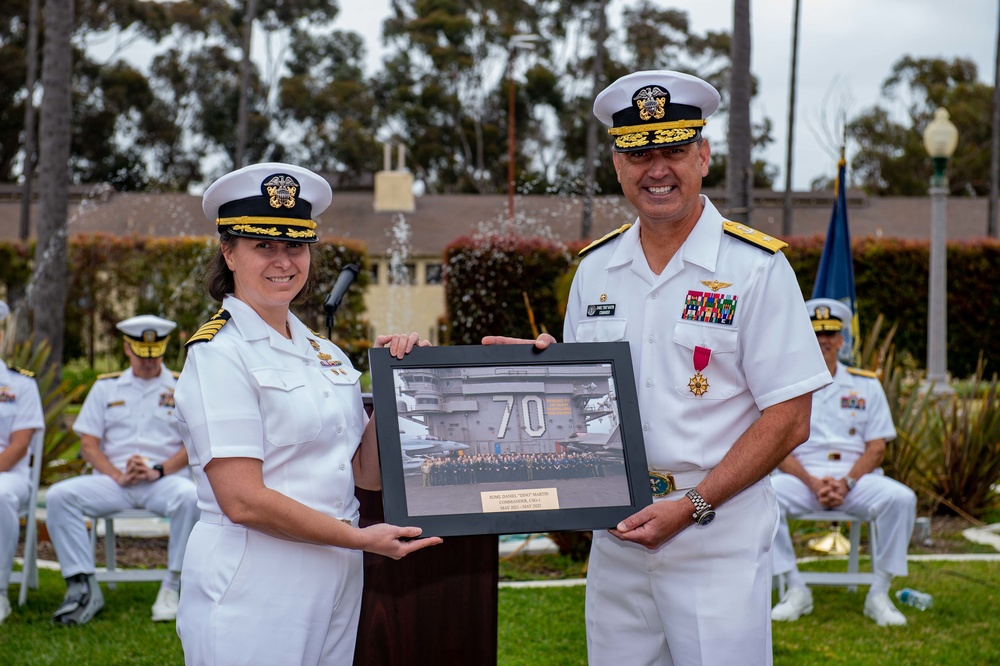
(402, 273)
(373, 271)
(432, 274)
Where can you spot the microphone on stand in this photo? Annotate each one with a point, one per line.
(340, 287)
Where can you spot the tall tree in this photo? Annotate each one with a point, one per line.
(991, 219)
(739, 172)
(245, 69)
(891, 159)
(49, 298)
(331, 105)
(590, 155)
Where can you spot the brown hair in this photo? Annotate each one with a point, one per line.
(219, 279)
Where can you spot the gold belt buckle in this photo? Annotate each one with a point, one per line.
(833, 455)
(660, 484)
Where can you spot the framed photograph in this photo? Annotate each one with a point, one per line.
(509, 439)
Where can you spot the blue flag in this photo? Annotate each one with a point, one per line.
(835, 278)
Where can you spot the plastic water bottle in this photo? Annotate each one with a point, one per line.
(915, 598)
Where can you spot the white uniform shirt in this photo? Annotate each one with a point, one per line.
(718, 293)
(293, 404)
(132, 416)
(20, 409)
(846, 414)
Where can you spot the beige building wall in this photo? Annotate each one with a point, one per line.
(402, 308)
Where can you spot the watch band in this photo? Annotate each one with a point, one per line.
(703, 512)
(159, 468)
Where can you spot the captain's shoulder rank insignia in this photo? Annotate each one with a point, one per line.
(604, 239)
(209, 328)
(769, 244)
(871, 374)
(110, 375)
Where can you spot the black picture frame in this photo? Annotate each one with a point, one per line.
(519, 440)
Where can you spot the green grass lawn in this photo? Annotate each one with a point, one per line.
(544, 626)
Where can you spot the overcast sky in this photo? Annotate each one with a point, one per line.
(846, 50)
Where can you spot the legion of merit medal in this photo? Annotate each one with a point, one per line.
(698, 384)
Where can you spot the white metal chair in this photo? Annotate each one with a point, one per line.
(111, 574)
(850, 578)
(28, 575)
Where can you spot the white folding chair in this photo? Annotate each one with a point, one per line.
(850, 578)
(28, 575)
(111, 574)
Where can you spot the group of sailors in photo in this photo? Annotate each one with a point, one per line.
(505, 467)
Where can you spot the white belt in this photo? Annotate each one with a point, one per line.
(220, 519)
(662, 482)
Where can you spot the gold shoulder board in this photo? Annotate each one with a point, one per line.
(768, 243)
(209, 328)
(110, 375)
(604, 239)
(871, 374)
(176, 374)
(321, 337)
(14, 368)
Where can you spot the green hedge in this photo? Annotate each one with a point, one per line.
(113, 277)
(485, 278)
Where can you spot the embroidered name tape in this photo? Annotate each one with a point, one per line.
(602, 310)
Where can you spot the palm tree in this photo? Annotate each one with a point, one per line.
(739, 169)
(49, 297)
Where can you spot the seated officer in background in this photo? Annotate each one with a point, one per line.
(838, 467)
(129, 435)
(20, 415)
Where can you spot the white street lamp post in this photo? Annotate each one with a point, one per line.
(940, 140)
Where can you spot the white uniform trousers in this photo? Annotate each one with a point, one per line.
(887, 502)
(250, 598)
(69, 502)
(14, 493)
(701, 599)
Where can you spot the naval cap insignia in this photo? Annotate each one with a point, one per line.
(651, 102)
(149, 335)
(281, 190)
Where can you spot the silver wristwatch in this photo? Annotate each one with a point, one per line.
(703, 511)
(850, 483)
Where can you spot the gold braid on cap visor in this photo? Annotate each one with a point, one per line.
(247, 224)
(147, 349)
(832, 325)
(632, 136)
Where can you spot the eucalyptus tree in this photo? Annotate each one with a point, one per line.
(443, 87)
(327, 107)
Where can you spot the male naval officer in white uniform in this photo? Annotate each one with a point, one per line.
(130, 436)
(20, 416)
(839, 468)
(724, 360)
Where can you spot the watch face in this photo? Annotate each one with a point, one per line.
(706, 518)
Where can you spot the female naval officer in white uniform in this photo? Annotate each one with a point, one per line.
(277, 436)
